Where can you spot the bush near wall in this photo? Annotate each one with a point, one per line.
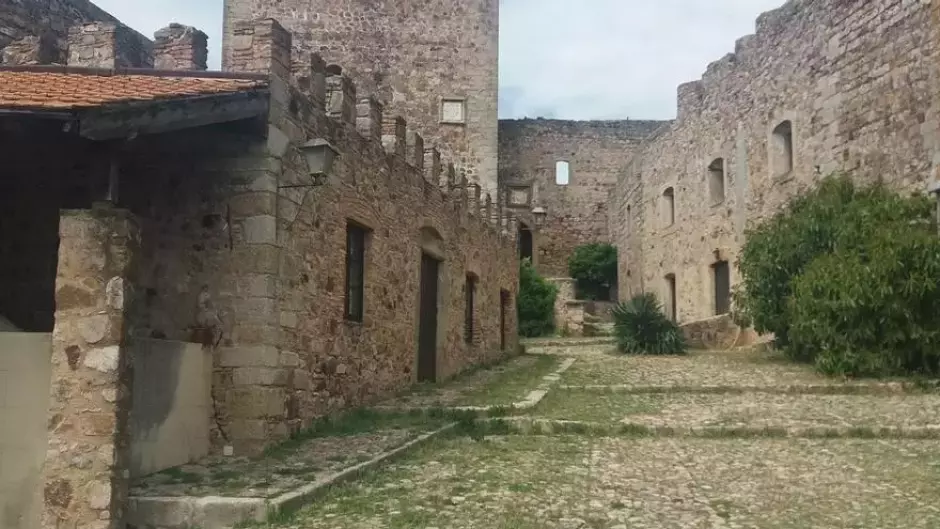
(536, 303)
(641, 327)
(846, 278)
(594, 269)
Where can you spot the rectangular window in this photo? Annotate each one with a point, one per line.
(562, 173)
(470, 292)
(355, 271)
(454, 111)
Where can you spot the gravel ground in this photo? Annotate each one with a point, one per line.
(499, 385)
(745, 410)
(747, 367)
(505, 482)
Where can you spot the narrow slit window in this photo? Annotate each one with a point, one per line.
(782, 149)
(562, 173)
(470, 294)
(355, 272)
(669, 207)
(716, 181)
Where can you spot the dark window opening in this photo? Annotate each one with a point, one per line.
(470, 292)
(671, 310)
(355, 271)
(525, 242)
(722, 287)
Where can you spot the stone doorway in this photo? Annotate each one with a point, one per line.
(671, 309)
(722, 273)
(427, 328)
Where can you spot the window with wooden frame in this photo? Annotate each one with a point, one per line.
(356, 237)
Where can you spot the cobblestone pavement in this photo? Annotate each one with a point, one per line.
(661, 480)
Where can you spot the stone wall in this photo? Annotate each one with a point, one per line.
(576, 213)
(322, 362)
(411, 56)
(37, 31)
(857, 84)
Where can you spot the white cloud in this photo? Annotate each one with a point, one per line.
(570, 59)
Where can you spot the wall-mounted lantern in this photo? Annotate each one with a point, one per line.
(539, 214)
(319, 155)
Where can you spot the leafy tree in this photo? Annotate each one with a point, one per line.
(641, 327)
(594, 269)
(536, 302)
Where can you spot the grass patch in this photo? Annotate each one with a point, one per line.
(512, 383)
(588, 406)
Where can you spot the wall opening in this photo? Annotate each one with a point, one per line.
(526, 250)
(722, 279)
(562, 173)
(781, 149)
(629, 220)
(669, 207)
(427, 325)
(470, 293)
(716, 181)
(671, 310)
(356, 237)
(505, 298)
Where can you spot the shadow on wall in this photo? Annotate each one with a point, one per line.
(172, 405)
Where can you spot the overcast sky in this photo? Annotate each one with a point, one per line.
(567, 59)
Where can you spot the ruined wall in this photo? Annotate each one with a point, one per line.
(577, 213)
(36, 31)
(411, 55)
(858, 81)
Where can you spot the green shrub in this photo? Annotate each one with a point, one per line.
(641, 327)
(834, 215)
(536, 303)
(872, 311)
(845, 277)
(594, 269)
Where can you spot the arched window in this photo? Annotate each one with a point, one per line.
(716, 180)
(562, 173)
(781, 149)
(669, 207)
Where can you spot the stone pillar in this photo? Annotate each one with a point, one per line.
(260, 46)
(179, 47)
(85, 476)
(108, 45)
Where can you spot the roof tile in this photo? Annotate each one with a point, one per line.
(53, 90)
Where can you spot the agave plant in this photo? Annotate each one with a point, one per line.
(641, 327)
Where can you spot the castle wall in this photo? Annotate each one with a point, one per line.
(858, 81)
(36, 31)
(411, 56)
(577, 213)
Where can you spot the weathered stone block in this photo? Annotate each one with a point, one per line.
(249, 356)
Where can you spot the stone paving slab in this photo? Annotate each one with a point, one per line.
(575, 482)
(754, 410)
(499, 385)
(741, 367)
(281, 469)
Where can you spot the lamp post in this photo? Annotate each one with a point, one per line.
(319, 155)
(539, 214)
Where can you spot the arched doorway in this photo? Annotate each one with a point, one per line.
(525, 242)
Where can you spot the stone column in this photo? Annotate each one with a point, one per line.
(85, 476)
(179, 47)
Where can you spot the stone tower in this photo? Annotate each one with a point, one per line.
(435, 62)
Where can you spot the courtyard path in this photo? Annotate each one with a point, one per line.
(736, 439)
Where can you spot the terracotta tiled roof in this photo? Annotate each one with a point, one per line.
(45, 90)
